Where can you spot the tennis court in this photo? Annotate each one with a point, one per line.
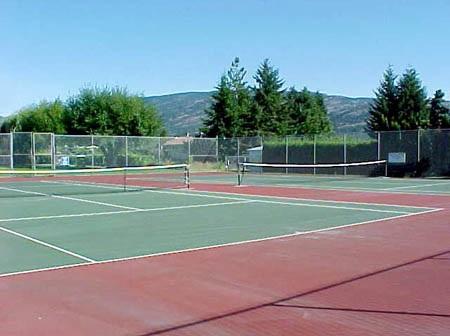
(141, 252)
(356, 183)
(41, 232)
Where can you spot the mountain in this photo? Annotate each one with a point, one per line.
(183, 112)
(347, 114)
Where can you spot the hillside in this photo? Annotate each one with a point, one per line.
(183, 112)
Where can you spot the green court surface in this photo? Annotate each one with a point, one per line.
(397, 185)
(39, 232)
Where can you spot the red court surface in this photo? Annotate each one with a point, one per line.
(391, 277)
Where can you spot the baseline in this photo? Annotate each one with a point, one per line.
(220, 245)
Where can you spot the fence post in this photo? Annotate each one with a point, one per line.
(11, 149)
(418, 145)
(159, 150)
(33, 152)
(189, 149)
(287, 153)
(92, 152)
(238, 149)
(126, 151)
(314, 153)
(262, 150)
(53, 150)
(345, 153)
(217, 149)
(378, 146)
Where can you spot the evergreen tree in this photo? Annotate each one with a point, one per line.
(439, 114)
(318, 121)
(230, 112)
(412, 102)
(241, 100)
(383, 113)
(306, 113)
(268, 109)
(219, 117)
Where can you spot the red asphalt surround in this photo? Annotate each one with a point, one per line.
(387, 278)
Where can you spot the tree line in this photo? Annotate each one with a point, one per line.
(402, 104)
(105, 111)
(237, 109)
(266, 108)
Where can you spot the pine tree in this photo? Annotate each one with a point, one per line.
(230, 112)
(412, 102)
(241, 102)
(219, 117)
(383, 113)
(268, 108)
(306, 113)
(321, 123)
(439, 114)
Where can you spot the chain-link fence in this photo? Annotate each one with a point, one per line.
(5, 151)
(434, 152)
(43, 144)
(424, 152)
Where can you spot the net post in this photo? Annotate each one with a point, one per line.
(385, 169)
(239, 177)
(187, 176)
(124, 179)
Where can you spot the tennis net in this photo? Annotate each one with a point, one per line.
(22, 183)
(298, 173)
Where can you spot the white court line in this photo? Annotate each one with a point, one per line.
(51, 246)
(215, 246)
(354, 189)
(262, 201)
(242, 201)
(418, 186)
(96, 202)
(189, 193)
(89, 214)
(69, 198)
(333, 207)
(197, 194)
(202, 193)
(111, 186)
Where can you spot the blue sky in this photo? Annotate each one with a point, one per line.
(51, 48)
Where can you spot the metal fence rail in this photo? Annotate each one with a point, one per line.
(425, 150)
